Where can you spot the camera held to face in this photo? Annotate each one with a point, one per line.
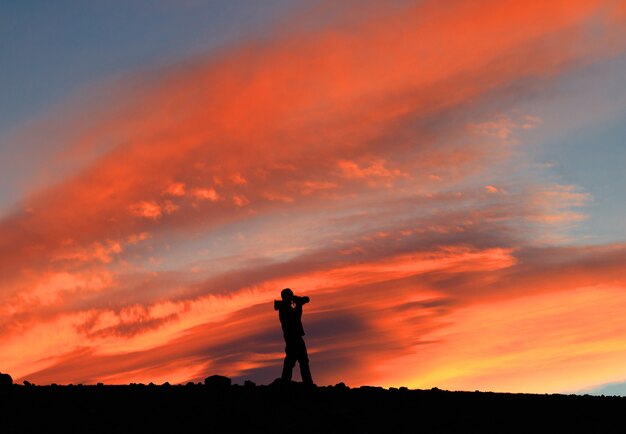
(300, 300)
(294, 300)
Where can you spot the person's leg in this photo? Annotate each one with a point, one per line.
(288, 364)
(305, 372)
(287, 369)
(303, 361)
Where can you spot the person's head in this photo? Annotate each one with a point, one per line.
(287, 295)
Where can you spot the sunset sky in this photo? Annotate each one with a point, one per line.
(443, 179)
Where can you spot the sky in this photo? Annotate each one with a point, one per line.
(444, 180)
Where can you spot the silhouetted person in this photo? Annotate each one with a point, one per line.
(290, 314)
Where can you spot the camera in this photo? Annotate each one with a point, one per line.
(300, 300)
(295, 299)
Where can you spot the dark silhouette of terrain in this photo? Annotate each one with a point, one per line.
(217, 406)
(5, 380)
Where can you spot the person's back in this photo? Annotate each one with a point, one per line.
(290, 315)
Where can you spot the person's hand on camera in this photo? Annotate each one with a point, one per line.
(300, 300)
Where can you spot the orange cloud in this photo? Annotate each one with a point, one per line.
(226, 136)
(206, 194)
(150, 210)
(416, 320)
(511, 345)
(175, 189)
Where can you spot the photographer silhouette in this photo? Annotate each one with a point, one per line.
(290, 315)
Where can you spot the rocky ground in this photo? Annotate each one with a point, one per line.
(217, 407)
